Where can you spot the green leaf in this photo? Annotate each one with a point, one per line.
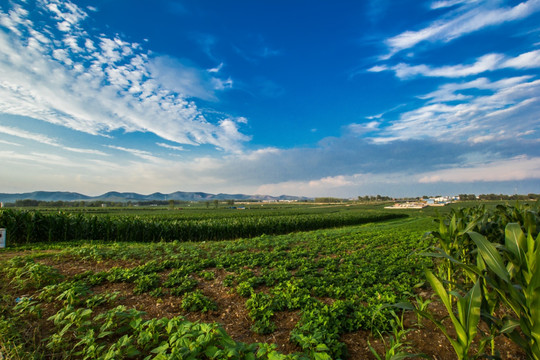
(446, 300)
(404, 306)
(321, 347)
(490, 255)
(160, 349)
(515, 241)
(211, 351)
(472, 312)
(509, 326)
(471, 225)
(321, 356)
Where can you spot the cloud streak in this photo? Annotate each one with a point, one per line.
(43, 139)
(489, 62)
(471, 110)
(468, 18)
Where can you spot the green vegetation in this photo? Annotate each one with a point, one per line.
(489, 271)
(25, 227)
(103, 300)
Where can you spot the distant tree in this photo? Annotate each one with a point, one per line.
(328, 200)
(216, 203)
(171, 204)
(26, 203)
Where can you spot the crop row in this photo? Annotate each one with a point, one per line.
(25, 227)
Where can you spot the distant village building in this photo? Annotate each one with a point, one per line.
(436, 201)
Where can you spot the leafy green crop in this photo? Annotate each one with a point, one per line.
(197, 301)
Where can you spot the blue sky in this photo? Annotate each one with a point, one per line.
(346, 98)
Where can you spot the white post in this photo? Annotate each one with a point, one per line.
(2, 238)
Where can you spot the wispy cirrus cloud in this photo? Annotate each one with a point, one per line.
(489, 62)
(43, 139)
(471, 16)
(472, 111)
(448, 3)
(10, 143)
(171, 147)
(67, 75)
(146, 155)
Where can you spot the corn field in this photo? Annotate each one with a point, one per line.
(26, 227)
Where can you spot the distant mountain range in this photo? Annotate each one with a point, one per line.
(115, 196)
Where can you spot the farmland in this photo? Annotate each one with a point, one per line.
(305, 292)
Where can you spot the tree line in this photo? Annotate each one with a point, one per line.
(499, 197)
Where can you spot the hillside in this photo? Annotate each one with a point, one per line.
(131, 196)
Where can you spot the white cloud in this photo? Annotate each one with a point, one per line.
(467, 19)
(84, 151)
(518, 168)
(186, 79)
(51, 160)
(360, 129)
(479, 109)
(43, 139)
(379, 68)
(449, 3)
(9, 143)
(216, 69)
(28, 135)
(527, 60)
(172, 147)
(489, 62)
(481, 139)
(105, 85)
(138, 153)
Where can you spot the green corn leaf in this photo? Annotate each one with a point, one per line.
(446, 300)
(509, 325)
(490, 255)
(404, 306)
(530, 222)
(474, 299)
(533, 263)
(470, 227)
(515, 242)
(373, 351)
(469, 313)
(535, 317)
(439, 290)
(531, 247)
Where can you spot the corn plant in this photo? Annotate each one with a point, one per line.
(468, 315)
(453, 241)
(514, 275)
(504, 264)
(397, 344)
